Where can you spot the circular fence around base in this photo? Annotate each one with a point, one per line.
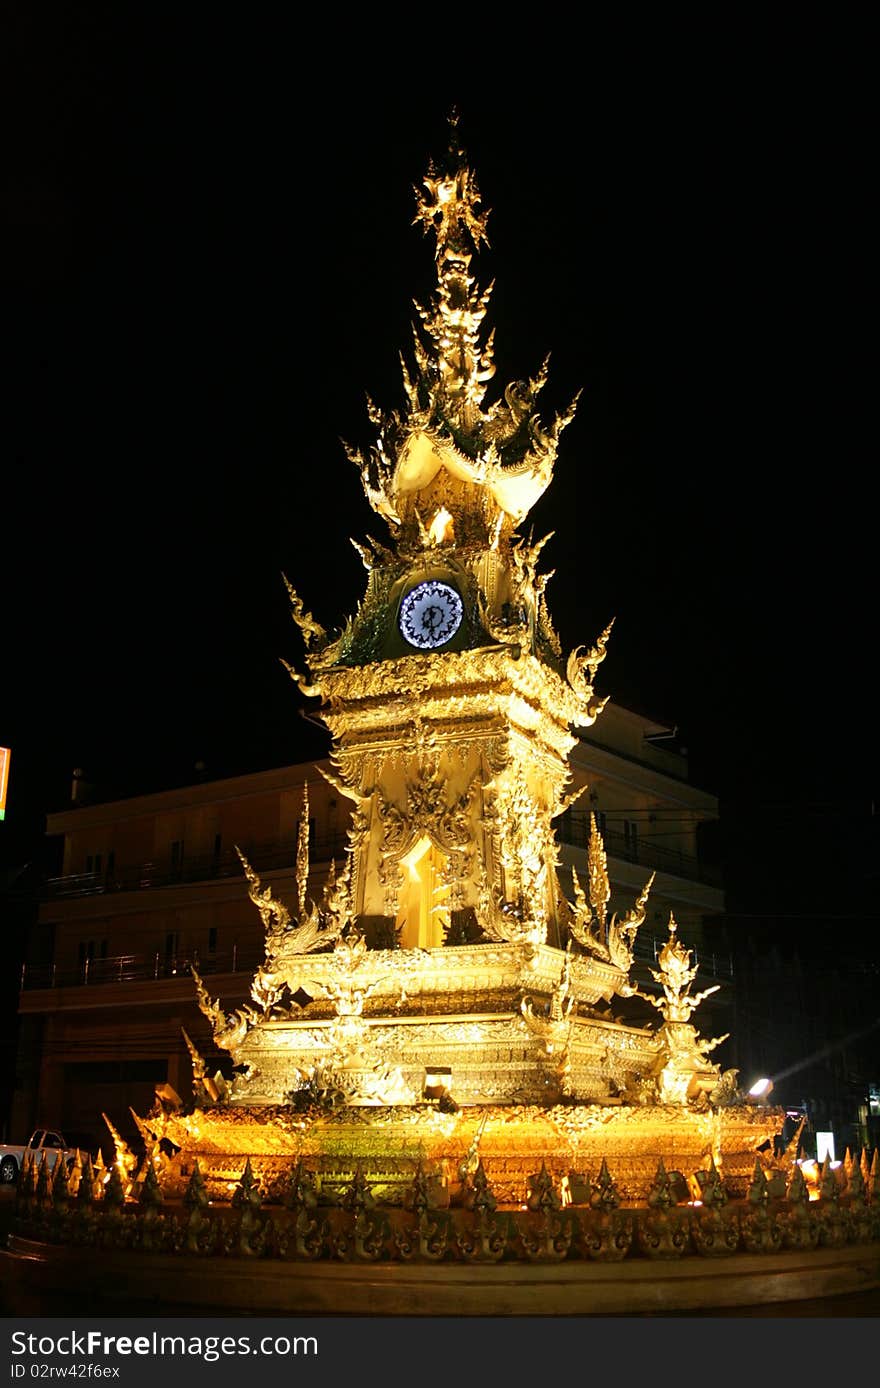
(364, 1260)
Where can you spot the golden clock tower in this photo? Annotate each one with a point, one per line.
(444, 965)
(447, 696)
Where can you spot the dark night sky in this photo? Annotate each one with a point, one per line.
(209, 260)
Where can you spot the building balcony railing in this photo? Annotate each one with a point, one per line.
(280, 854)
(573, 829)
(263, 857)
(140, 968)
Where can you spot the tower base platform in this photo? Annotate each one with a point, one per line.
(37, 1278)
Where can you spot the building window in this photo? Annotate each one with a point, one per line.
(212, 940)
(176, 856)
(88, 951)
(631, 840)
(94, 863)
(171, 946)
(92, 949)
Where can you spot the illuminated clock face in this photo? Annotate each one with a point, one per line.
(430, 615)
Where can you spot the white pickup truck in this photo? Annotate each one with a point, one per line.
(40, 1141)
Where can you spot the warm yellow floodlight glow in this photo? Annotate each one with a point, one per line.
(5, 755)
(440, 530)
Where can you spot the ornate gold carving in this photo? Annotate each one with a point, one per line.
(312, 632)
(675, 976)
(229, 1029)
(311, 689)
(597, 871)
(485, 466)
(587, 920)
(350, 1065)
(581, 671)
(516, 907)
(315, 927)
(426, 810)
(553, 1026)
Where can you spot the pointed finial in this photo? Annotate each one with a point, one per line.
(196, 1194)
(302, 855)
(456, 151)
(85, 1191)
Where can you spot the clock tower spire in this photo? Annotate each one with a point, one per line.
(447, 696)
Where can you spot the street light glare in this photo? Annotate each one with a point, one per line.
(761, 1088)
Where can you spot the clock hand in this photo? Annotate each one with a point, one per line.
(432, 618)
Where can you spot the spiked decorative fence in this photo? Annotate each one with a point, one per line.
(88, 1209)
